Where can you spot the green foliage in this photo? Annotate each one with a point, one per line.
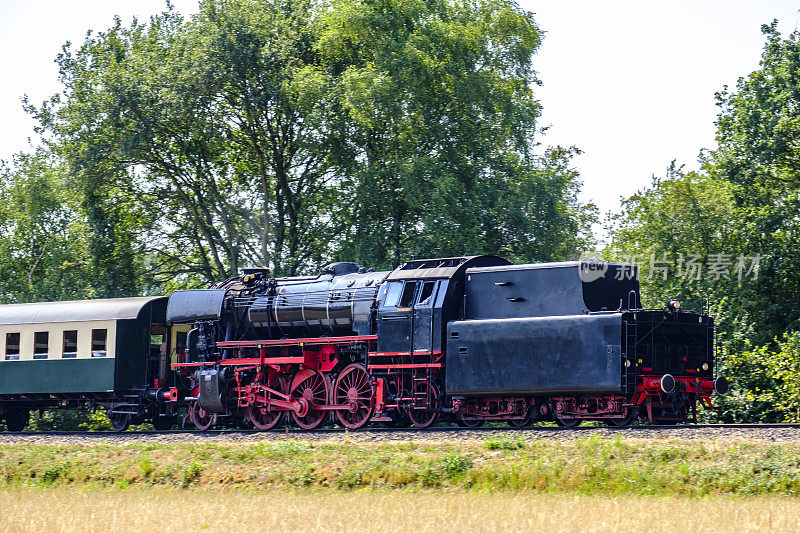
(455, 464)
(620, 466)
(765, 383)
(43, 237)
(680, 218)
(54, 472)
(146, 465)
(289, 133)
(759, 138)
(504, 443)
(743, 203)
(69, 420)
(439, 162)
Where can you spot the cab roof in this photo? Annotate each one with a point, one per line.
(447, 267)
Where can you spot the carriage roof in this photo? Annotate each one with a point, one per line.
(75, 311)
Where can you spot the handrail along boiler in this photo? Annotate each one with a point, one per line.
(472, 338)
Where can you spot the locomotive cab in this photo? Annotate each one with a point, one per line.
(418, 299)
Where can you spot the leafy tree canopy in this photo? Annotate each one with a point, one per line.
(289, 133)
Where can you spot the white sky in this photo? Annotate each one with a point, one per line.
(630, 83)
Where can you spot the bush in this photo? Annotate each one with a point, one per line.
(765, 384)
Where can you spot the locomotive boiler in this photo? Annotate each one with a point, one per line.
(472, 339)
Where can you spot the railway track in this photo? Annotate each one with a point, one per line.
(396, 432)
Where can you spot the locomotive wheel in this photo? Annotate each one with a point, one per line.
(354, 389)
(525, 421)
(17, 419)
(521, 423)
(399, 419)
(631, 415)
(163, 423)
(119, 421)
(311, 387)
(201, 418)
(422, 418)
(468, 422)
(568, 423)
(265, 417)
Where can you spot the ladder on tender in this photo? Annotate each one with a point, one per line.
(629, 360)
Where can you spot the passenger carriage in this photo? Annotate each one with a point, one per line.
(111, 354)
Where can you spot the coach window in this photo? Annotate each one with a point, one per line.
(99, 342)
(12, 346)
(70, 344)
(40, 342)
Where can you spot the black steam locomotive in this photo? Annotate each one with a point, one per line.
(473, 339)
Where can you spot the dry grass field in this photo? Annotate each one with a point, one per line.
(502, 483)
(156, 509)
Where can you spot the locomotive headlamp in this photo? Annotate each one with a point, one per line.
(673, 305)
(704, 366)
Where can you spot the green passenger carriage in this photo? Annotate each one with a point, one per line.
(83, 354)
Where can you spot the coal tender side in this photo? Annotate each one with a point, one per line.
(568, 342)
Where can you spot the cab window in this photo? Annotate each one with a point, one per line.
(408, 294)
(426, 293)
(393, 292)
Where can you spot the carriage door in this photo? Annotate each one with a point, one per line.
(395, 324)
(158, 353)
(423, 316)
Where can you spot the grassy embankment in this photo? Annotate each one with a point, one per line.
(593, 466)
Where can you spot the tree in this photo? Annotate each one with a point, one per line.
(43, 239)
(289, 133)
(759, 143)
(442, 116)
(744, 203)
(213, 129)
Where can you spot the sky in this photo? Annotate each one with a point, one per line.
(629, 83)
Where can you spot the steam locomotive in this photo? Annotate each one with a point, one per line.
(468, 339)
(474, 339)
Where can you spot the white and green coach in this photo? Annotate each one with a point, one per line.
(89, 353)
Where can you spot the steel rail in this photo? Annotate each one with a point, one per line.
(444, 429)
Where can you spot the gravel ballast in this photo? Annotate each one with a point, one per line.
(767, 433)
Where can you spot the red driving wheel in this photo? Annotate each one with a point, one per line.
(200, 418)
(425, 416)
(264, 416)
(353, 388)
(312, 387)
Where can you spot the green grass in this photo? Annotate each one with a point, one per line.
(593, 466)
